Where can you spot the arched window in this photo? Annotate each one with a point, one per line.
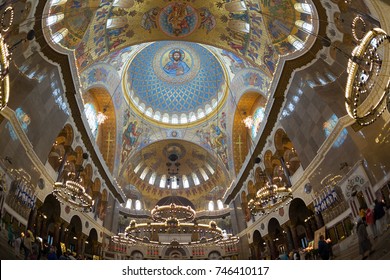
(296, 42)
(211, 205)
(163, 181)
(157, 116)
(192, 117)
(304, 26)
(138, 205)
(204, 174)
(186, 184)
(220, 204)
(201, 114)
(136, 169)
(152, 178)
(90, 113)
(149, 112)
(195, 178)
(54, 18)
(144, 173)
(174, 184)
(60, 35)
(165, 118)
(210, 168)
(303, 8)
(128, 203)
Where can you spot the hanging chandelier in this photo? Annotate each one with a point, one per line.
(174, 225)
(366, 89)
(270, 197)
(74, 195)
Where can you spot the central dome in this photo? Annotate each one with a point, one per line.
(175, 82)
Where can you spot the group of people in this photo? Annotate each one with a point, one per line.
(375, 219)
(24, 243)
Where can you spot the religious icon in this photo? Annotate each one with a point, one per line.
(176, 66)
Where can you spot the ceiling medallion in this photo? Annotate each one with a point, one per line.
(4, 69)
(366, 90)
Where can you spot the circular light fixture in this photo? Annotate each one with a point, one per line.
(4, 70)
(7, 19)
(73, 194)
(366, 90)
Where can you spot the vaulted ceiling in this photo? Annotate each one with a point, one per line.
(175, 71)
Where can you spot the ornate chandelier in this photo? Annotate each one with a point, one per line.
(74, 195)
(366, 90)
(174, 226)
(270, 197)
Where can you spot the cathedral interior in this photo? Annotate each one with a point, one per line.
(193, 129)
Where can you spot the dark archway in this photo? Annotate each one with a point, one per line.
(48, 219)
(259, 246)
(73, 235)
(278, 239)
(302, 222)
(91, 244)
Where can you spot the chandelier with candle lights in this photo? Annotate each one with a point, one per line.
(270, 197)
(367, 91)
(175, 225)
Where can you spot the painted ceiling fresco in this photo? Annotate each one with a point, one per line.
(250, 30)
(177, 59)
(147, 167)
(173, 77)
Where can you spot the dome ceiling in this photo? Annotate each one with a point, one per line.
(175, 82)
(175, 87)
(155, 169)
